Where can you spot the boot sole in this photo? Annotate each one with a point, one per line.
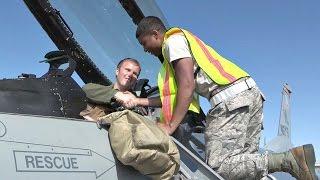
(310, 159)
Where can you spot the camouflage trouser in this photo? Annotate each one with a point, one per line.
(232, 137)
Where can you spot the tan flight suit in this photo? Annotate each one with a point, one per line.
(99, 98)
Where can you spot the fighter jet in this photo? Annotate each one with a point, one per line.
(42, 135)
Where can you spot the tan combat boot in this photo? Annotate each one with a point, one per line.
(299, 162)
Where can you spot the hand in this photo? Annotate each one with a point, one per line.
(166, 128)
(130, 103)
(127, 99)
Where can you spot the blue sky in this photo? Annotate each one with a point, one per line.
(275, 41)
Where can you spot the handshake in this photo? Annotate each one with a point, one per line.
(126, 99)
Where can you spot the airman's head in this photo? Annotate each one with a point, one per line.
(150, 34)
(127, 73)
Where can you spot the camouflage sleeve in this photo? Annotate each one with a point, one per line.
(99, 94)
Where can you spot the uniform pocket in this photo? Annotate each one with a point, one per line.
(241, 100)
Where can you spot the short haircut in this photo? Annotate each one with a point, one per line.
(134, 61)
(148, 24)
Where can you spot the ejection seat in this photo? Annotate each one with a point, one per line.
(55, 60)
(53, 94)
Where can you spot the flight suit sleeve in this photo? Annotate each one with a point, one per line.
(99, 94)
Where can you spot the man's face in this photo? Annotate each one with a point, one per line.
(127, 75)
(152, 42)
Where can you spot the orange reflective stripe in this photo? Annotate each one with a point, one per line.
(220, 70)
(166, 103)
(214, 61)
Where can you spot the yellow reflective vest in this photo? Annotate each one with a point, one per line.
(219, 69)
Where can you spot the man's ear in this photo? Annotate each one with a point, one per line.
(158, 35)
(117, 72)
(155, 33)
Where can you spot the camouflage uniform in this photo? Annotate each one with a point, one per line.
(233, 126)
(232, 137)
(233, 129)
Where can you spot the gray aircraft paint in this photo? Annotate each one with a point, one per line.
(36, 147)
